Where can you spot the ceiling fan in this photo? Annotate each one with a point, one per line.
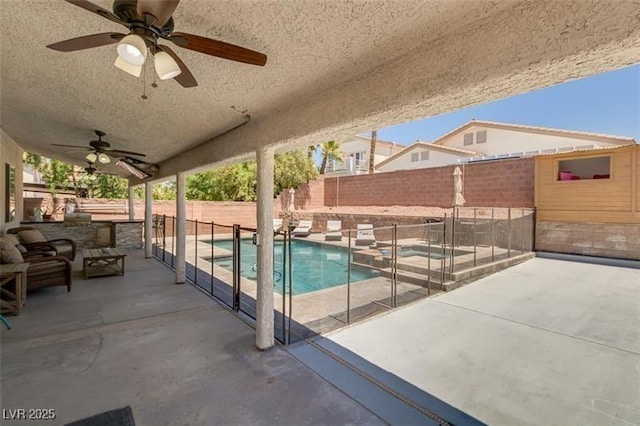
(101, 151)
(149, 21)
(91, 170)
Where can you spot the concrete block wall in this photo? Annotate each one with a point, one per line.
(621, 241)
(502, 183)
(223, 212)
(307, 196)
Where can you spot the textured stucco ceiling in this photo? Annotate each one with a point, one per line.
(334, 67)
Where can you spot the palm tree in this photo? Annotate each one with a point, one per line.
(330, 151)
(372, 151)
(311, 149)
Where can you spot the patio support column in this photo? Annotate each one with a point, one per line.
(132, 213)
(264, 296)
(148, 205)
(181, 228)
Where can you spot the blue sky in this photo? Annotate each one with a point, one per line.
(606, 103)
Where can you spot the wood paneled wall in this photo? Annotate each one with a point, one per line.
(613, 200)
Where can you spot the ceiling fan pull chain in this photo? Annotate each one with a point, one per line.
(144, 82)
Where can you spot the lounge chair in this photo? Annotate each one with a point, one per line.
(33, 239)
(43, 271)
(334, 231)
(277, 224)
(364, 235)
(303, 229)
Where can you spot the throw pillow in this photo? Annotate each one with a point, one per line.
(12, 239)
(9, 253)
(31, 236)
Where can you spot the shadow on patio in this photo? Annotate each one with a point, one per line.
(171, 353)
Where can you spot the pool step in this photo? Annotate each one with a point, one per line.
(414, 278)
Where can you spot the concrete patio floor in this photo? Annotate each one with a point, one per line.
(170, 352)
(544, 342)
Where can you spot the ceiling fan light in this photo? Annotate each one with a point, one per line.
(134, 70)
(166, 66)
(103, 158)
(132, 49)
(91, 157)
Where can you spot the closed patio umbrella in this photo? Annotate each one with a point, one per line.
(458, 199)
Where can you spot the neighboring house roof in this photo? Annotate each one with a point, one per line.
(620, 140)
(382, 142)
(585, 149)
(425, 145)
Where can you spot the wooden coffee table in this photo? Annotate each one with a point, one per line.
(102, 262)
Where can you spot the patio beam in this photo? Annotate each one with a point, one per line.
(148, 206)
(264, 296)
(181, 227)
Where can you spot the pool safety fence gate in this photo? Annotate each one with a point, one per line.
(321, 283)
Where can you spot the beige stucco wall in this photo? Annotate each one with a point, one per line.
(10, 153)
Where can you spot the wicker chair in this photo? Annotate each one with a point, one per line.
(48, 272)
(43, 271)
(61, 247)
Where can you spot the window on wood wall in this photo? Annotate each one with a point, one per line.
(481, 136)
(415, 156)
(424, 155)
(585, 168)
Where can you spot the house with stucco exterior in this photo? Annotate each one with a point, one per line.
(485, 140)
(356, 152)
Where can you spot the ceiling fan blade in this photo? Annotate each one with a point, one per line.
(86, 42)
(161, 9)
(87, 5)
(73, 146)
(119, 152)
(218, 48)
(185, 78)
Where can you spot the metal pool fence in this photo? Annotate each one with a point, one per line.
(321, 284)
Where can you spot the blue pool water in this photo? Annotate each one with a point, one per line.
(315, 266)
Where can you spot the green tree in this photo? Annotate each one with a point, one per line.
(330, 151)
(231, 183)
(292, 169)
(159, 191)
(238, 182)
(109, 186)
(56, 174)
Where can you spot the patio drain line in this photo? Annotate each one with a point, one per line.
(381, 385)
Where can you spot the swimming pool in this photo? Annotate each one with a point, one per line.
(315, 266)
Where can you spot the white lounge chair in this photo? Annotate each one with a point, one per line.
(277, 224)
(364, 234)
(334, 230)
(303, 229)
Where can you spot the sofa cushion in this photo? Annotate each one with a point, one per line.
(51, 267)
(9, 253)
(31, 236)
(12, 239)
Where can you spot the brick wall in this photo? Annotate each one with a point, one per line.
(307, 196)
(223, 212)
(620, 241)
(503, 183)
